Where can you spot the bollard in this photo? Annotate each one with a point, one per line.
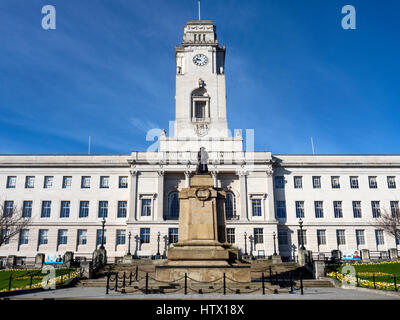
(130, 278)
(395, 283)
(147, 283)
(224, 284)
(270, 274)
(108, 282)
(358, 283)
(263, 284)
(136, 273)
(301, 283)
(185, 283)
(123, 282)
(116, 282)
(30, 284)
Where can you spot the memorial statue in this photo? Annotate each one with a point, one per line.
(202, 161)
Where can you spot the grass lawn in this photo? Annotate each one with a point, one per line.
(16, 283)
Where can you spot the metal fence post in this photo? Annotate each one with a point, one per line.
(136, 273)
(130, 278)
(185, 283)
(263, 284)
(373, 277)
(395, 283)
(116, 282)
(358, 283)
(108, 282)
(270, 274)
(291, 283)
(123, 281)
(224, 284)
(30, 284)
(147, 283)
(301, 283)
(9, 282)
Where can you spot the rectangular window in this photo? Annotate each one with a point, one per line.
(103, 209)
(360, 238)
(230, 235)
(304, 237)
(27, 209)
(82, 236)
(123, 182)
(281, 209)
(319, 209)
(46, 209)
(5, 233)
(391, 182)
(43, 236)
(283, 238)
(122, 205)
(8, 208)
(144, 235)
(335, 182)
(394, 207)
(357, 209)
(337, 209)
(99, 235)
(354, 182)
(321, 237)
(380, 240)
(279, 182)
(67, 182)
(376, 209)
(256, 207)
(298, 182)
(341, 237)
(48, 182)
(83, 209)
(11, 182)
(65, 207)
(373, 183)
(104, 182)
(146, 207)
(299, 209)
(85, 182)
(29, 182)
(62, 236)
(121, 237)
(172, 235)
(24, 236)
(258, 235)
(316, 182)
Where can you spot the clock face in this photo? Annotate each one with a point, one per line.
(200, 60)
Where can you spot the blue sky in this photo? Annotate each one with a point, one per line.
(108, 71)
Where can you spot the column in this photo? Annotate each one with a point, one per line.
(133, 196)
(187, 178)
(160, 196)
(270, 205)
(215, 177)
(243, 195)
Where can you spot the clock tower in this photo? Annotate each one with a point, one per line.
(200, 116)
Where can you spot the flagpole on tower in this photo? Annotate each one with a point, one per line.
(199, 11)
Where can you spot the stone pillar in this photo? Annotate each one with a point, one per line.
(68, 259)
(365, 255)
(86, 268)
(319, 269)
(160, 196)
(11, 262)
(187, 178)
(270, 214)
(215, 178)
(133, 196)
(393, 254)
(39, 260)
(243, 195)
(336, 254)
(304, 257)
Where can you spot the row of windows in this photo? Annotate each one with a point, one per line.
(337, 209)
(67, 182)
(335, 182)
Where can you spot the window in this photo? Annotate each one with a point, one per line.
(104, 182)
(172, 235)
(391, 182)
(29, 182)
(357, 209)
(27, 209)
(279, 182)
(65, 207)
(5, 234)
(43, 236)
(281, 209)
(283, 238)
(256, 207)
(67, 182)
(103, 209)
(321, 237)
(340, 237)
(99, 234)
(85, 182)
(82, 236)
(354, 182)
(258, 235)
(376, 210)
(337, 209)
(230, 206)
(173, 205)
(394, 207)
(316, 182)
(24, 236)
(360, 238)
(83, 209)
(48, 182)
(299, 234)
(11, 182)
(200, 109)
(46, 209)
(373, 184)
(298, 182)
(335, 182)
(144, 235)
(123, 182)
(146, 207)
(319, 209)
(299, 209)
(122, 205)
(380, 240)
(121, 237)
(8, 208)
(230, 235)
(62, 236)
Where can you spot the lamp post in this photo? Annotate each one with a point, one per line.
(245, 243)
(158, 243)
(129, 243)
(301, 235)
(102, 233)
(274, 234)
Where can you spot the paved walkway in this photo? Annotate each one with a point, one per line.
(309, 294)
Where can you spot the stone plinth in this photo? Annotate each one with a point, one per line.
(365, 255)
(68, 259)
(128, 258)
(276, 259)
(39, 260)
(11, 262)
(304, 257)
(393, 254)
(319, 269)
(99, 258)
